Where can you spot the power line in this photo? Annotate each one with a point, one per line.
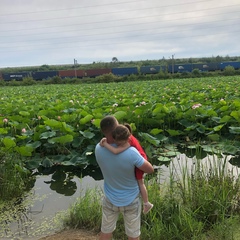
(110, 27)
(99, 5)
(131, 31)
(138, 40)
(87, 15)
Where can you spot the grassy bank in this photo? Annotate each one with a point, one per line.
(199, 203)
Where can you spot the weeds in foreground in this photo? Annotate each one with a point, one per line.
(198, 203)
(14, 178)
(86, 211)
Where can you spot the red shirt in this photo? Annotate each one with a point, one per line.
(134, 143)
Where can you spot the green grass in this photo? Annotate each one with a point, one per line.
(199, 204)
(85, 212)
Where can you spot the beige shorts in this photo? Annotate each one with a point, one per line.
(131, 216)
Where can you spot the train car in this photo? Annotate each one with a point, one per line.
(15, 76)
(200, 66)
(235, 65)
(149, 69)
(44, 75)
(97, 72)
(180, 68)
(213, 66)
(124, 71)
(206, 67)
(71, 73)
(164, 68)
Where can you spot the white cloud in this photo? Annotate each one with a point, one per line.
(57, 31)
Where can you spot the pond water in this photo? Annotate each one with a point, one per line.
(55, 191)
(43, 203)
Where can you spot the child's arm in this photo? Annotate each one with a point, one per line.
(115, 150)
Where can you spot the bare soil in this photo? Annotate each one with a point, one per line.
(72, 234)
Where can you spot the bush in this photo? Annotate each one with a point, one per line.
(196, 73)
(13, 176)
(229, 71)
(28, 81)
(106, 78)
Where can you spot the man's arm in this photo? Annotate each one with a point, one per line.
(115, 150)
(147, 167)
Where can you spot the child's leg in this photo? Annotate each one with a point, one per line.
(147, 206)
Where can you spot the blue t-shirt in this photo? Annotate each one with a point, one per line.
(120, 184)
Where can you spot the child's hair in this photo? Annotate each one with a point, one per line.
(122, 132)
(129, 127)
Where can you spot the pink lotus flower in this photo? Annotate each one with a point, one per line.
(142, 103)
(5, 120)
(24, 130)
(59, 117)
(197, 105)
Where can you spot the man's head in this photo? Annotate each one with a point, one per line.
(107, 125)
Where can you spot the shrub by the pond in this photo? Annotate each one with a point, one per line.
(14, 177)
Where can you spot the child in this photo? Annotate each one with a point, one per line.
(124, 139)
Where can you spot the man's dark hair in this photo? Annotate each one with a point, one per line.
(108, 124)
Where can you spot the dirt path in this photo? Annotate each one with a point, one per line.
(76, 234)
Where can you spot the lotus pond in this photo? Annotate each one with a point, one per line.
(59, 124)
(54, 129)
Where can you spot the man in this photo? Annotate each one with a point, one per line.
(120, 185)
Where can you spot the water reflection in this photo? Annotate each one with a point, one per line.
(182, 164)
(63, 177)
(54, 191)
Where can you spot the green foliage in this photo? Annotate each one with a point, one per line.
(116, 63)
(85, 212)
(106, 78)
(14, 177)
(49, 121)
(196, 72)
(28, 81)
(229, 71)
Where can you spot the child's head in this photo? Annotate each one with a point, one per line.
(121, 134)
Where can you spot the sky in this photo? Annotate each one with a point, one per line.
(55, 32)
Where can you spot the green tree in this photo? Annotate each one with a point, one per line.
(229, 71)
(114, 60)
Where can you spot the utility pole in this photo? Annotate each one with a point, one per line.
(75, 62)
(173, 63)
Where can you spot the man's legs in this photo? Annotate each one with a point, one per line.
(132, 219)
(109, 219)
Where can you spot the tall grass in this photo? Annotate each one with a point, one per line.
(199, 202)
(14, 178)
(85, 212)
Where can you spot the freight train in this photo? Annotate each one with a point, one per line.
(126, 71)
